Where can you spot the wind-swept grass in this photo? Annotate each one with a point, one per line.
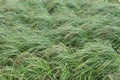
(59, 40)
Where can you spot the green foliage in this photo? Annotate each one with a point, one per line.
(59, 40)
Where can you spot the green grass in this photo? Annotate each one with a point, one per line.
(59, 40)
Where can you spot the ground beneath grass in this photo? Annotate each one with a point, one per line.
(59, 40)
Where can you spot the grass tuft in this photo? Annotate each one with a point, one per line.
(59, 40)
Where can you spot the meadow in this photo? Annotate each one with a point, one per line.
(59, 40)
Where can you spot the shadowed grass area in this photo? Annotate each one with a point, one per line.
(59, 40)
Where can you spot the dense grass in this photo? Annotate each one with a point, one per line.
(59, 40)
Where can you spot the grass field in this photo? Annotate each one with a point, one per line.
(59, 40)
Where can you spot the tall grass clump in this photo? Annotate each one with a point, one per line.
(111, 34)
(93, 62)
(59, 40)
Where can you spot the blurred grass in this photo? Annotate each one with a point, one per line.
(59, 40)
